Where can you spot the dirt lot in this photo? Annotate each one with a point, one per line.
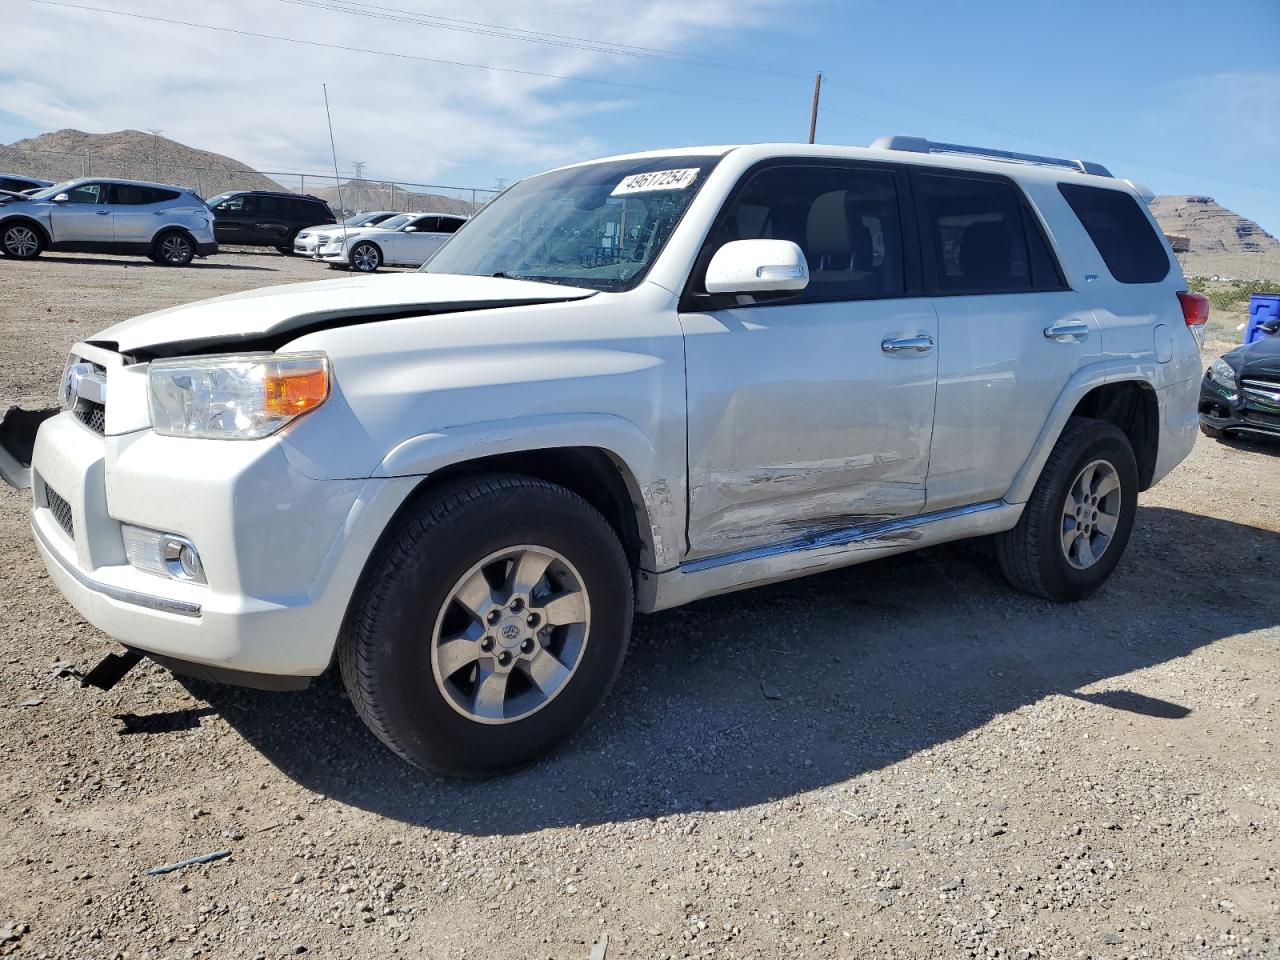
(905, 759)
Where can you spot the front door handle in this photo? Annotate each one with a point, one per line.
(1067, 331)
(102, 213)
(918, 344)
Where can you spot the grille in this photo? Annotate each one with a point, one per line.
(61, 511)
(1262, 393)
(92, 415)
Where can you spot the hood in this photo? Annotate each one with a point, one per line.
(268, 318)
(1260, 358)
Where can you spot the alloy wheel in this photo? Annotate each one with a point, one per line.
(1090, 514)
(365, 258)
(175, 249)
(21, 241)
(510, 634)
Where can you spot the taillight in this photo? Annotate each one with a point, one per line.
(1195, 308)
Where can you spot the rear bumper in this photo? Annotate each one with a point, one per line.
(206, 249)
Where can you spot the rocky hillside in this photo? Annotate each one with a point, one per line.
(371, 195)
(1223, 243)
(130, 154)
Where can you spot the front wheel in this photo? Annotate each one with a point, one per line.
(21, 241)
(1212, 432)
(1077, 522)
(366, 257)
(489, 625)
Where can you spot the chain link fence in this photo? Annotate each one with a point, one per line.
(357, 196)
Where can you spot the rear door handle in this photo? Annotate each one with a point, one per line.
(1067, 331)
(918, 344)
(102, 213)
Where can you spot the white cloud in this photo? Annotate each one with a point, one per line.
(260, 100)
(1241, 111)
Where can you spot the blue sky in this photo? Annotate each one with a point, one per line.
(1181, 95)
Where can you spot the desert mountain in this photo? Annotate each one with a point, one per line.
(1223, 243)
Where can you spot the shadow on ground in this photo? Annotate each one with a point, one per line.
(873, 663)
(143, 262)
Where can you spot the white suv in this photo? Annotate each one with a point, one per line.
(625, 385)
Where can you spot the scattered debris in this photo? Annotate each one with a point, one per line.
(770, 691)
(203, 858)
(601, 947)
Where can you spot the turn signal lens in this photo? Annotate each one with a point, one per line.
(291, 394)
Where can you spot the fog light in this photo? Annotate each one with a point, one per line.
(163, 554)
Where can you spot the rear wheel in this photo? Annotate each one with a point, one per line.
(491, 623)
(173, 249)
(366, 257)
(21, 241)
(1077, 522)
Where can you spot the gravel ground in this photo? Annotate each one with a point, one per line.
(903, 759)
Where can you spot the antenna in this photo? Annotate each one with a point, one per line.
(334, 151)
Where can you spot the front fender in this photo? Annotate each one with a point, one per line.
(660, 491)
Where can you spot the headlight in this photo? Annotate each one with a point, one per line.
(1220, 372)
(235, 397)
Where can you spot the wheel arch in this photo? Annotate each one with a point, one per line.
(1132, 406)
(1129, 402)
(30, 221)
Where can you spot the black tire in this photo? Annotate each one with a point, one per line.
(173, 248)
(1212, 432)
(1031, 555)
(385, 651)
(287, 247)
(21, 240)
(365, 257)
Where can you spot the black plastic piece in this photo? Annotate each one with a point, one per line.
(110, 669)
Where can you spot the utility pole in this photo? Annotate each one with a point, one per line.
(359, 165)
(813, 114)
(155, 150)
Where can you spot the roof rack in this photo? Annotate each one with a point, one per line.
(921, 145)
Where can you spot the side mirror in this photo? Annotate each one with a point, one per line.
(757, 266)
(410, 229)
(61, 198)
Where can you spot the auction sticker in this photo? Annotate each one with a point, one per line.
(656, 180)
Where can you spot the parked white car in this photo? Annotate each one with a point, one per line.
(626, 385)
(405, 240)
(308, 241)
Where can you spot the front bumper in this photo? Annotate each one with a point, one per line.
(282, 552)
(1236, 412)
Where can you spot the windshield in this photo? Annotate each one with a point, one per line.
(394, 223)
(601, 225)
(213, 202)
(358, 219)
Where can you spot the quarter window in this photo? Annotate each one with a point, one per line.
(845, 220)
(1121, 232)
(982, 239)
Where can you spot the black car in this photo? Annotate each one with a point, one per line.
(1241, 390)
(256, 218)
(15, 184)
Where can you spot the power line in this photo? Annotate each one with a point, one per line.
(360, 9)
(416, 57)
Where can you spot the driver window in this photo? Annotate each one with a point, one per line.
(234, 205)
(844, 219)
(86, 193)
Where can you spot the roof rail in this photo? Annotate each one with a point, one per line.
(921, 145)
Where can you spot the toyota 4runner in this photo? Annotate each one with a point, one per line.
(624, 385)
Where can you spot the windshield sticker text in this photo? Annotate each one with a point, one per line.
(656, 180)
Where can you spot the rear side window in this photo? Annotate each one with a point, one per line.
(129, 194)
(1121, 232)
(449, 225)
(845, 219)
(981, 237)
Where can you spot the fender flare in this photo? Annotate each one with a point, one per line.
(1081, 383)
(659, 499)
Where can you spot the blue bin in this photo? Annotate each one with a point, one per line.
(1263, 308)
